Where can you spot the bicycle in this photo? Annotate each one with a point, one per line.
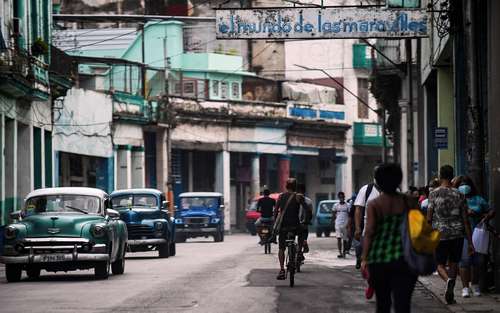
(291, 257)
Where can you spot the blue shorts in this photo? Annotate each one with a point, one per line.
(469, 260)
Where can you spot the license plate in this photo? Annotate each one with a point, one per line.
(265, 231)
(52, 258)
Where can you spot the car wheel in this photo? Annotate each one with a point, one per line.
(13, 272)
(318, 234)
(118, 266)
(164, 251)
(327, 234)
(33, 272)
(172, 249)
(101, 270)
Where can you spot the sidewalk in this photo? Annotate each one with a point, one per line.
(484, 303)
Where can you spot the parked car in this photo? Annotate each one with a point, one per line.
(201, 214)
(251, 215)
(149, 224)
(65, 229)
(323, 220)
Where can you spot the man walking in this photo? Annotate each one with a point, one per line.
(341, 213)
(447, 212)
(366, 193)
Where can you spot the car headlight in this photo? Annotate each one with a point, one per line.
(215, 220)
(10, 232)
(178, 221)
(98, 231)
(158, 226)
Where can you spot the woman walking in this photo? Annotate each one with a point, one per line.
(383, 253)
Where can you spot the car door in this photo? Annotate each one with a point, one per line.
(113, 226)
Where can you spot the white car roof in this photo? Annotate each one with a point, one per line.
(199, 194)
(84, 191)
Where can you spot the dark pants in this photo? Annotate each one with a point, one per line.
(393, 283)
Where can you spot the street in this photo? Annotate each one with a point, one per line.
(232, 276)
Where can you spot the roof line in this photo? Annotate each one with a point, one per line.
(92, 18)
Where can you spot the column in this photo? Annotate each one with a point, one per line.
(25, 160)
(138, 167)
(255, 174)
(283, 171)
(404, 143)
(190, 171)
(223, 184)
(162, 166)
(3, 216)
(10, 163)
(124, 167)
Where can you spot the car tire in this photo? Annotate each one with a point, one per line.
(318, 234)
(172, 249)
(327, 234)
(13, 272)
(118, 266)
(33, 272)
(164, 251)
(101, 270)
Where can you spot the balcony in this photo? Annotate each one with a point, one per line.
(331, 113)
(130, 107)
(23, 76)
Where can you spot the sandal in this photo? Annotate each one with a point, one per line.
(281, 275)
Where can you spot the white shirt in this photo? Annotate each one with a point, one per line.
(341, 213)
(360, 199)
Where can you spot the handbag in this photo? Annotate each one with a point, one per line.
(423, 238)
(481, 239)
(421, 263)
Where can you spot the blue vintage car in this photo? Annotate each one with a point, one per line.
(201, 214)
(149, 224)
(323, 221)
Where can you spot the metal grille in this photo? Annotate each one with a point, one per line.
(197, 220)
(138, 231)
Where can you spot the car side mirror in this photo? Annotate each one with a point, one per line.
(113, 214)
(221, 206)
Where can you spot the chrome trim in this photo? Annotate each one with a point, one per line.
(68, 257)
(71, 240)
(196, 230)
(144, 242)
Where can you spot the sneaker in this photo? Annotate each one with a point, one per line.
(340, 256)
(466, 292)
(476, 291)
(281, 275)
(449, 294)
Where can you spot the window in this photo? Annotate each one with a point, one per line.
(177, 88)
(215, 88)
(224, 90)
(363, 95)
(188, 89)
(236, 90)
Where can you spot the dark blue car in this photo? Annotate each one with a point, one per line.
(149, 224)
(200, 214)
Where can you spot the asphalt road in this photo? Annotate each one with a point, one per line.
(233, 276)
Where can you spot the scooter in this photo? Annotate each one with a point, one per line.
(265, 231)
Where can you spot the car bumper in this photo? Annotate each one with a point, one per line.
(54, 258)
(146, 242)
(196, 230)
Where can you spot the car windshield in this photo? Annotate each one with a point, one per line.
(63, 204)
(126, 201)
(326, 207)
(199, 203)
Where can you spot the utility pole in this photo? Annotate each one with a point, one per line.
(409, 114)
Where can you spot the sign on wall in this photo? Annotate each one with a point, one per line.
(441, 138)
(320, 23)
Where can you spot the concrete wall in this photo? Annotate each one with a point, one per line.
(446, 114)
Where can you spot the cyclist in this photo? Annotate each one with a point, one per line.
(305, 220)
(288, 219)
(265, 206)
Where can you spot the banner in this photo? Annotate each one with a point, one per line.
(321, 23)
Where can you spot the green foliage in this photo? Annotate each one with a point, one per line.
(39, 47)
